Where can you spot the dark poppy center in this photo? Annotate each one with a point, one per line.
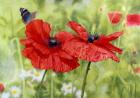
(53, 42)
(92, 38)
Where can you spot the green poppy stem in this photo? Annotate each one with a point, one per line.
(85, 79)
(39, 86)
(43, 78)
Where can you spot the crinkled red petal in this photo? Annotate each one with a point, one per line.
(40, 47)
(65, 55)
(59, 62)
(113, 48)
(47, 63)
(26, 42)
(100, 53)
(65, 64)
(109, 38)
(89, 51)
(109, 46)
(104, 41)
(114, 36)
(79, 29)
(33, 56)
(64, 36)
(38, 30)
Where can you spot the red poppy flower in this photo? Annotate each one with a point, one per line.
(137, 70)
(1, 87)
(46, 52)
(114, 17)
(92, 47)
(133, 20)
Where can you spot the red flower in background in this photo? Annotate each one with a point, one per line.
(137, 70)
(46, 52)
(92, 47)
(1, 87)
(114, 17)
(133, 20)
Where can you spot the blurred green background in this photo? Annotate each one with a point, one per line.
(106, 79)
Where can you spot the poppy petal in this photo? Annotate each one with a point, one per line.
(46, 63)
(114, 17)
(64, 65)
(99, 54)
(133, 20)
(137, 70)
(38, 30)
(79, 29)
(114, 36)
(32, 54)
(113, 48)
(42, 49)
(65, 55)
(26, 42)
(89, 51)
(68, 65)
(2, 88)
(50, 61)
(57, 67)
(64, 36)
(35, 59)
(27, 51)
(59, 64)
(105, 44)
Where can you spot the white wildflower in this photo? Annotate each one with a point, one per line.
(24, 74)
(68, 88)
(78, 94)
(5, 95)
(37, 75)
(15, 92)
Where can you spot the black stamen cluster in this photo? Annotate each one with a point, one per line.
(92, 38)
(53, 42)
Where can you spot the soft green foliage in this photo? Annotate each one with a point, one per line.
(106, 79)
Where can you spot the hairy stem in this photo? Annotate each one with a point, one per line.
(85, 79)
